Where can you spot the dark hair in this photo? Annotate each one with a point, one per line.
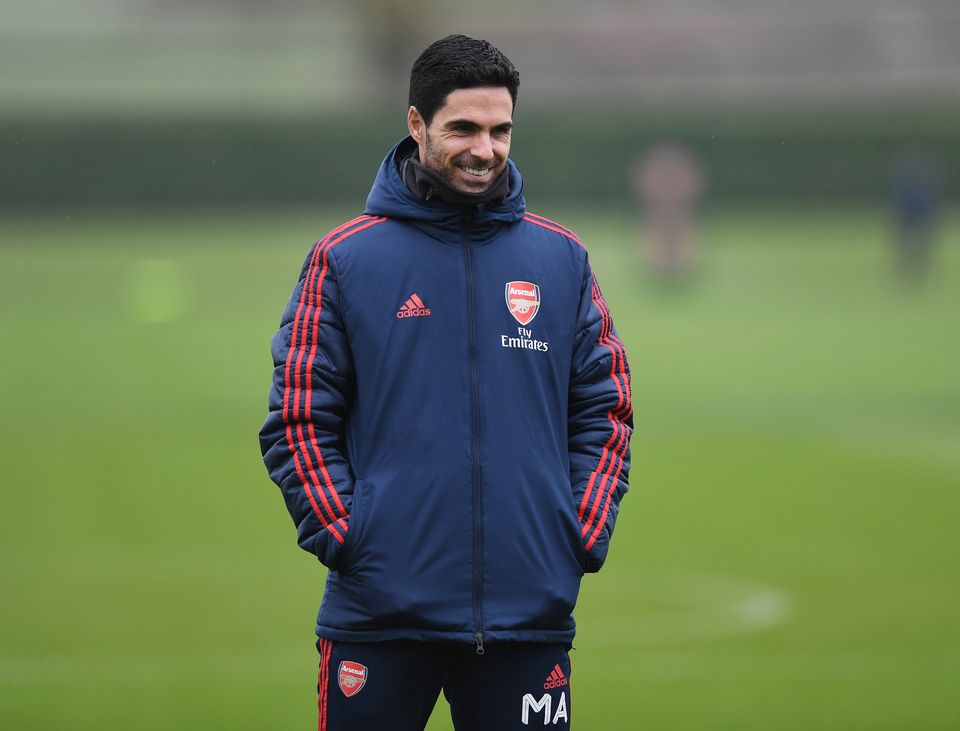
(458, 62)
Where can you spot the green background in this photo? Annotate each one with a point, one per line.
(753, 156)
(787, 557)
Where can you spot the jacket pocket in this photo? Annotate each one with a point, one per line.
(358, 511)
(574, 528)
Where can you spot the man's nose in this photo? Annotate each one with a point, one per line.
(482, 147)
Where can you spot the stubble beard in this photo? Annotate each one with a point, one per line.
(435, 161)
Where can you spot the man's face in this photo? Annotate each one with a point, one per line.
(468, 141)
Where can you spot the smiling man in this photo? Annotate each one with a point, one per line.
(468, 139)
(449, 424)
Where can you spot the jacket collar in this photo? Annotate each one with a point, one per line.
(390, 196)
(426, 185)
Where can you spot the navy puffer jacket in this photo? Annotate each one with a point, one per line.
(449, 419)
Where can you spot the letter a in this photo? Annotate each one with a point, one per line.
(561, 709)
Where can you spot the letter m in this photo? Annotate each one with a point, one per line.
(529, 702)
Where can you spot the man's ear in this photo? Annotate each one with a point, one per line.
(416, 125)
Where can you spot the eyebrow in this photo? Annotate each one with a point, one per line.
(469, 124)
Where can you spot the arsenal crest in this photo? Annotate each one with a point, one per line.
(523, 300)
(352, 676)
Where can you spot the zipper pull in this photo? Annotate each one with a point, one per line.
(479, 638)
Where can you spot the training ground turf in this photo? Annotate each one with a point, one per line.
(788, 556)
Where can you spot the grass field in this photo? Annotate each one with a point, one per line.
(788, 556)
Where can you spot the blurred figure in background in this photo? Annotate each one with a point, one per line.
(916, 187)
(669, 182)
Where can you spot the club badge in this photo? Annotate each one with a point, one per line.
(352, 677)
(523, 300)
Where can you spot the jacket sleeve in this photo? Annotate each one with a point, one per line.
(303, 437)
(600, 422)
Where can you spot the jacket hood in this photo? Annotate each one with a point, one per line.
(390, 197)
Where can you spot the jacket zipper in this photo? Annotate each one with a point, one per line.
(477, 476)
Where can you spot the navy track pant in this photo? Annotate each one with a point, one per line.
(393, 686)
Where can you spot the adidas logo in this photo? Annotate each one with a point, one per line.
(556, 679)
(413, 307)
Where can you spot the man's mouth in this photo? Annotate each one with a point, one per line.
(479, 172)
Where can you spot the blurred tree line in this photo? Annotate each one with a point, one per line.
(224, 102)
(331, 160)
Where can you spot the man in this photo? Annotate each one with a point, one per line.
(669, 184)
(449, 424)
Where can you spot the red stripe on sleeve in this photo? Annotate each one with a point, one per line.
(305, 308)
(552, 225)
(317, 298)
(313, 280)
(605, 325)
(323, 468)
(333, 516)
(305, 481)
(620, 435)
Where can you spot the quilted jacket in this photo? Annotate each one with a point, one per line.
(449, 419)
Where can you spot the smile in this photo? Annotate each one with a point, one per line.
(476, 171)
